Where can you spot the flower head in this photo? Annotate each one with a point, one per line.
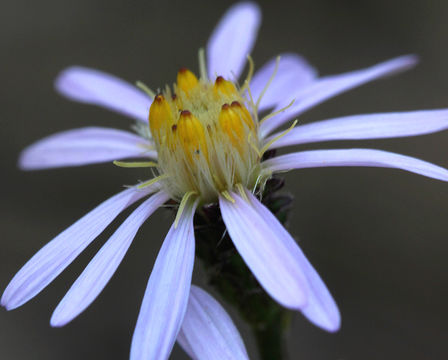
(204, 140)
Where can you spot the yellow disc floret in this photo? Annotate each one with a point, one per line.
(191, 135)
(186, 80)
(205, 136)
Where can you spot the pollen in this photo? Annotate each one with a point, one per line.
(205, 136)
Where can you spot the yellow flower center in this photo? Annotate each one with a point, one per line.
(206, 138)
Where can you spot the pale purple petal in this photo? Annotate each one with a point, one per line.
(265, 253)
(84, 146)
(355, 157)
(293, 73)
(54, 257)
(183, 342)
(99, 271)
(232, 40)
(99, 88)
(321, 308)
(207, 331)
(166, 296)
(330, 86)
(368, 126)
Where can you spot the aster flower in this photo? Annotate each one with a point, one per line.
(206, 141)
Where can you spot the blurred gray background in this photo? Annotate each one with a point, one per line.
(378, 237)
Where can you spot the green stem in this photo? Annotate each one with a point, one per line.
(271, 339)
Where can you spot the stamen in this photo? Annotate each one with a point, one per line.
(202, 65)
(227, 196)
(259, 177)
(249, 74)
(182, 205)
(143, 130)
(152, 181)
(267, 146)
(251, 101)
(141, 164)
(242, 191)
(146, 147)
(277, 61)
(252, 143)
(148, 191)
(277, 112)
(218, 181)
(146, 89)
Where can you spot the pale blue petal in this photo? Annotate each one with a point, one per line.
(355, 157)
(293, 73)
(208, 332)
(321, 309)
(54, 257)
(330, 86)
(99, 88)
(166, 296)
(265, 252)
(232, 40)
(102, 267)
(84, 146)
(367, 126)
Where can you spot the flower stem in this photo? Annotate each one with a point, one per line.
(229, 275)
(271, 339)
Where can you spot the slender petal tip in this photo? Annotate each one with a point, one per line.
(5, 301)
(56, 255)
(103, 266)
(99, 88)
(355, 157)
(266, 251)
(83, 146)
(235, 37)
(207, 330)
(331, 86)
(403, 63)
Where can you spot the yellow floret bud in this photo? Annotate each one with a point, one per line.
(242, 111)
(191, 136)
(232, 125)
(186, 80)
(225, 87)
(160, 118)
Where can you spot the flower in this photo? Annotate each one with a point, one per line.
(205, 143)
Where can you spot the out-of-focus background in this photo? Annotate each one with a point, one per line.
(378, 237)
